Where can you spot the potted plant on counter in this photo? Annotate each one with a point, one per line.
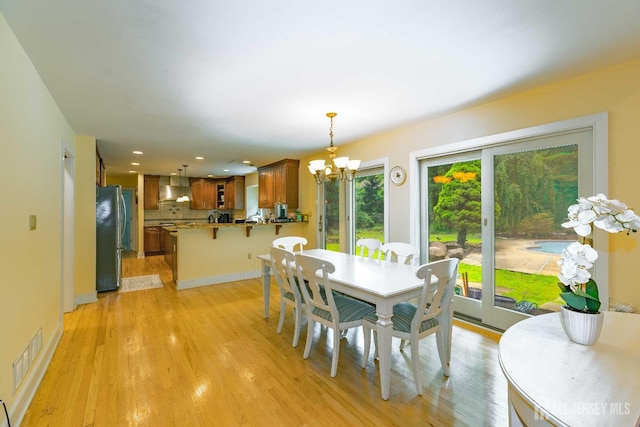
(581, 318)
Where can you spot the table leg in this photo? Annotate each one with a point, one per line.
(385, 331)
(266, 286)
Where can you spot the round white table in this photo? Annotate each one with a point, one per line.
(553, 381)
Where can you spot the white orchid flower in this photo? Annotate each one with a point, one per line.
(575, 262)
(612, 216)
(576, 259)
(579, 219)
(630, 219)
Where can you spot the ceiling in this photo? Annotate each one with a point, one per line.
(253, 79)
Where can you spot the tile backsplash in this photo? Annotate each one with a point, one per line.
(170, 210)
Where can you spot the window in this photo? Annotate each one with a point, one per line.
(369, 204)
(497, 204)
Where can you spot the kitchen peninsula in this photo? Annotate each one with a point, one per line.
(209, 254)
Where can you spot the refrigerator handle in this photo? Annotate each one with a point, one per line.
(124, 220)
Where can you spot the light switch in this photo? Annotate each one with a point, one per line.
(32, 222)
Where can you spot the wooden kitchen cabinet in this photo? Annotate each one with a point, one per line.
(202, 193)
(265, 188)
(151, 191)
(234, 192)
(219, 193)
(152, 240)
(278, 183)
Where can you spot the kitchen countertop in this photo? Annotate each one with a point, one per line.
(162, 222)
(218, 225)
(206, 225)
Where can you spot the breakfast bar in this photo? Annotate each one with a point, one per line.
(209, 254)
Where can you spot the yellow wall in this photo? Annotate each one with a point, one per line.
(251, 179)
(85, 219)
(33, 132)
(615, 90)
(124, 180)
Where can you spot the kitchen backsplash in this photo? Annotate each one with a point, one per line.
(170, 210)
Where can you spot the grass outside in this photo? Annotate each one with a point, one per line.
(536, 288)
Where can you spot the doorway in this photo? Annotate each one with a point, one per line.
(67, 235)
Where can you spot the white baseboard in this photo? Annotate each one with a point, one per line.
(86, 298)
(140, 254)
(27, 389)
(214, 280)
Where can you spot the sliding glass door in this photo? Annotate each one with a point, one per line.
(499, 209)
(528, 192)
(454, 221)
(331, 216)
(350, 210)
(369, 205)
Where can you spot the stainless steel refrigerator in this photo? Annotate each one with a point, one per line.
(110, 215)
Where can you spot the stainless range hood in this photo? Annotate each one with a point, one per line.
(171, 188)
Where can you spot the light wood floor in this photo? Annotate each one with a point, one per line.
(206, 356)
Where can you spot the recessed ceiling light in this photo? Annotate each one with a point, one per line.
(135, 164)
(209, 176)
(137, 152)
(173, 173)
(246, 162)
(199, 158)
(132, 171)
(225, 170)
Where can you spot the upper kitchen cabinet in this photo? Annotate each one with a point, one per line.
(265, 188)
(278, 183)
(234, 192)
(219, 191)
(151, 193)
(203, 192)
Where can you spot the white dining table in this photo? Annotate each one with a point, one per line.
(379, 282)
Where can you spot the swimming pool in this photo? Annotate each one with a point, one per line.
(550, 246)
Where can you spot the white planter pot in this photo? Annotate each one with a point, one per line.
(581, 328)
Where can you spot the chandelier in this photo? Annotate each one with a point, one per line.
(340, 169)
(184, 197)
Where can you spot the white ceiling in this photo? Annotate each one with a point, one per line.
(253, 79)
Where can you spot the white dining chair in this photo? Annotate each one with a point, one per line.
(400, 252)
(290, 243)
(372, 247)
(412, 323)
(283, 265)
(328, 308)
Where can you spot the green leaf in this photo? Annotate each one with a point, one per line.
(574, 301)
(581, 301)
(591, 296)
